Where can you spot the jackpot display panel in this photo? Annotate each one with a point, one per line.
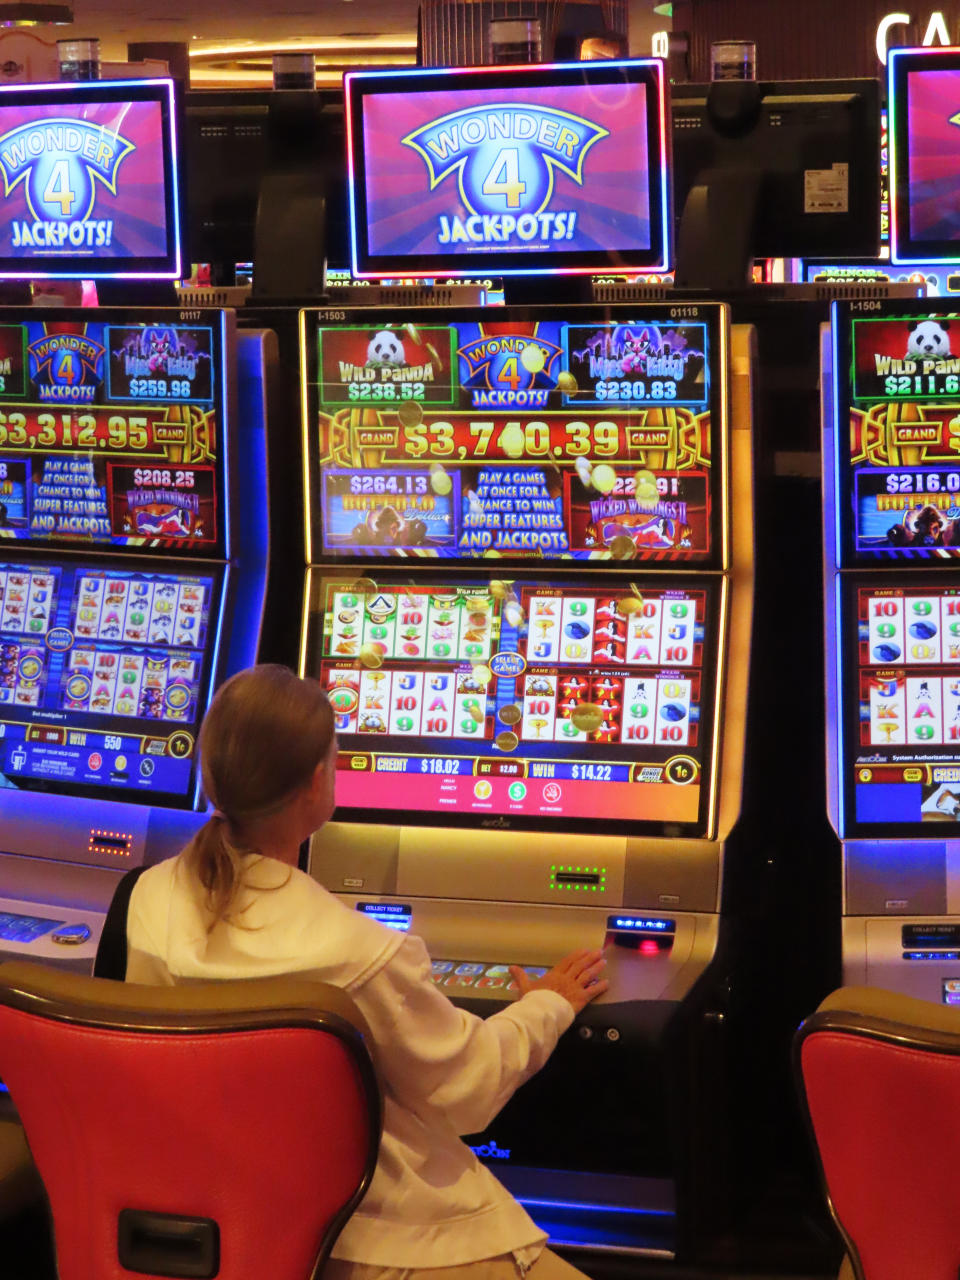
(112, 431)
(539, 701)
(578, 437)
(90, 181)
(113, 452)
(105, 669)
(897, 405)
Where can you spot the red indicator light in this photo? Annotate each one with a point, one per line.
(649, 947)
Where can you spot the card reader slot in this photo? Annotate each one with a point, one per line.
(577, 877)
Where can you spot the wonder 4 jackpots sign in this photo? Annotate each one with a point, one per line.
(75, 186)
(514, 171)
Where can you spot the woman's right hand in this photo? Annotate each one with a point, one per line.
(576, 977)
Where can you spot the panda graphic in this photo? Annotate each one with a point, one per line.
(928, 339)
(385, 348)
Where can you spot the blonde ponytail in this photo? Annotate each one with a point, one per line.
(217, 865)
(262, 739)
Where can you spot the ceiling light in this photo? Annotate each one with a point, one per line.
(17, 14)
(319, 43)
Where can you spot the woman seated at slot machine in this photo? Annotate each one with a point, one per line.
(233, 904)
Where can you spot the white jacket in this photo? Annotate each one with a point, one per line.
(445, 1072)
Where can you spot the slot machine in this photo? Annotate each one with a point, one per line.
(133, 551)
(528, 595)
(892, 540)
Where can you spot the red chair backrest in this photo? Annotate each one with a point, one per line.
(883, 1101)
(270, 1130)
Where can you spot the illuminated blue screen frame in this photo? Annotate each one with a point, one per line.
(169, 265)
(86, 733)
(906, 249)
(647, 72)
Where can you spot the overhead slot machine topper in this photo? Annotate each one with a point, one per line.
(891, 482)
(528, 596)
(90, 181)
(492, 171)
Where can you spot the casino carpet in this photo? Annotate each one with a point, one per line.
(26, 1254)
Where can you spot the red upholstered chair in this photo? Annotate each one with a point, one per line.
(879, 1075)
(217, 1129)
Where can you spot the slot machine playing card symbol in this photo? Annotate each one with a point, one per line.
(344, 701)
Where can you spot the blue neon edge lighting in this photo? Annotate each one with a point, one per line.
(585, 1206)
(838, 694)
(893, 57)
(838, 435)
(227, 411)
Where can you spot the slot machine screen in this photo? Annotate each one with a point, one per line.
(90, 184)
(922, 93)
(540, 702)
(898, 404)
(901, 706)
(495, 170)
(577, 436)
(112, 430)
(105, 672)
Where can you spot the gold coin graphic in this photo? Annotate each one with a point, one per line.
(587, 717)
(531, 357)
(410, 413)
(604, 478)
(622, 548)
(371, 656)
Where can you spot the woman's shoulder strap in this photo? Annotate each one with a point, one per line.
(111, 961)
